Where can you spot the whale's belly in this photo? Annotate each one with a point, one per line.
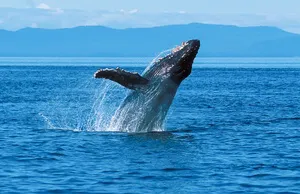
(143, 111)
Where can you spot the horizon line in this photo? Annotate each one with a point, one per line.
(151, 27)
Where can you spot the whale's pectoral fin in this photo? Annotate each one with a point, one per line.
(127, 79)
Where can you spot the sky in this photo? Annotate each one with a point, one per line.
(16, 14)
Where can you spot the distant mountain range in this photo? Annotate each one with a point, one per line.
(92, 41)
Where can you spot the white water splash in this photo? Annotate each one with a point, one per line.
(164, 54)
(47, 121)
(104, 112)
(50, 125)
(144, 112)
(84, 112)
(158, 58)
(101, 111)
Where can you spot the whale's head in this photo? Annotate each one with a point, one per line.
(177, 65)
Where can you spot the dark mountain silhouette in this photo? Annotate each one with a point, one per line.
(216, 40)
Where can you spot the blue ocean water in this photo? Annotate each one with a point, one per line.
(234, 127)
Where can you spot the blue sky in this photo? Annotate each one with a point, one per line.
(209, 6)
(138, 13)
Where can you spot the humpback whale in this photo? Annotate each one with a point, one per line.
(145, 107)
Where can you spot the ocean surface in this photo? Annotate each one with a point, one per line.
(234, 126)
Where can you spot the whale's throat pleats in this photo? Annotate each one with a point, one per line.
(127, 79)
(145, 111)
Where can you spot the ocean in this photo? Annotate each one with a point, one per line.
(234, 126)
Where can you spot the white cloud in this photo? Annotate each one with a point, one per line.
(43, 6)
(34, 25)
(44, 16)
(59, 11)
(133, 11)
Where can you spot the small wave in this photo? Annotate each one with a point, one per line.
(259, 175)
(149, 177)
(174, 169)
(277, 120)
(289, 119)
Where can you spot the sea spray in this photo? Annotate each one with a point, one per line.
(157, 58)
(101, 108)
(82, 108)
(144, 112)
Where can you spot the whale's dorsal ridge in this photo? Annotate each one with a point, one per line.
(125, 78)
